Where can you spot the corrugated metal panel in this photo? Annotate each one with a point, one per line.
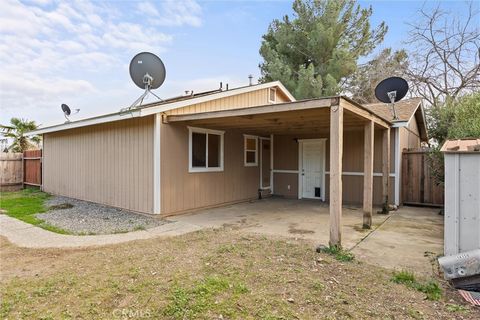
(110, 163)
(462, 202)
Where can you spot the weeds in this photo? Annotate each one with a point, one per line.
(338, 253)
(431, 288)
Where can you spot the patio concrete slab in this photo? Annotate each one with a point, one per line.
(26, 235)
(410, 239)
(405, 239)
(306, 219)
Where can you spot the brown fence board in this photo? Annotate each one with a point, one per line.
(11, 171)
(418, 184)
(33, 167)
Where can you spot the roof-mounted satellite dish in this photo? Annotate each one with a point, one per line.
(67, 112)
(147, 72)
(391, 90)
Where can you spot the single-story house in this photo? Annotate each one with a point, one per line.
(225, 146)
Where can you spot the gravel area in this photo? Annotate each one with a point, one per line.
(82, 217)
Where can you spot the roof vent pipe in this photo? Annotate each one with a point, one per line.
(250, 78)
(226, 87)
(221, 85)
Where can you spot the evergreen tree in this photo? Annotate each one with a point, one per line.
(317, 49)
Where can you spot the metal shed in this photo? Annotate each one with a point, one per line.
(462, 195)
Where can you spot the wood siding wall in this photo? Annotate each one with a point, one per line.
(286, 158)
(109, 163)
(182, 191)
(250, 99)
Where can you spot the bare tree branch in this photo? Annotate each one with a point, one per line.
(445, 63)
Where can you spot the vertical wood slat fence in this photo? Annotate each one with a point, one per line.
(418, 184)
(11, 171)
(32, 160)
(18, 170)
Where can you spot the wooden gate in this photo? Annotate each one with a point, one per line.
(32, 164)
(418, 185)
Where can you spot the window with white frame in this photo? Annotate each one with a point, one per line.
(251, 150)
(205, 150)
(272, 95)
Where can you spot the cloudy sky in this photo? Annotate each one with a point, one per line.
(78, 52)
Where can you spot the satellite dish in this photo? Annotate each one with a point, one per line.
(67, 111)
(391, 90)
(146, 69)
(147, 72)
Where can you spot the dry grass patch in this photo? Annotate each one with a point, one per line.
(205, 275)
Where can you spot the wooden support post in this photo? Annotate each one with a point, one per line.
(385, 169)
(368, 174)
(336, 156)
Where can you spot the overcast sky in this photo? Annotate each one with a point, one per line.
(78, 52)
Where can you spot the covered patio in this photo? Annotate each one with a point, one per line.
(328, 118)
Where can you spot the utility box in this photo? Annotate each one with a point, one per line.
(462, 195)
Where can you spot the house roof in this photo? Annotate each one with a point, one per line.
(461, 146)
(162, 106)
(406, 110)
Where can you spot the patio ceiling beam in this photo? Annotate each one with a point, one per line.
(336, 157)
(364, 113)
(273, 108)
(369, 131)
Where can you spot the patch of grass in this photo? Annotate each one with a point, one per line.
(431, 288)
(24, 204)
(338, 253)
(317, 286)
(139, 227)
(451, 307)
(211, 293)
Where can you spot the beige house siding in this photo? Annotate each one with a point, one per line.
(183, 191)
(249, 99)
(286, 158)
(110, 163)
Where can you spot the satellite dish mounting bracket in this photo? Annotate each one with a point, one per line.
(392, 95)
(147, 80)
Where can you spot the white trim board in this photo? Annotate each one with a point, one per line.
(353, 173)
(398, 158)
(157, 164)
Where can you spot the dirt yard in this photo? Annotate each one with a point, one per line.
(222, 274)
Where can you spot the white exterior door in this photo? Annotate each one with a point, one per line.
(313, 169)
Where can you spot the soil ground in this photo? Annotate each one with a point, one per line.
(209, 274)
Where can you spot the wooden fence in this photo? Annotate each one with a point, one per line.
(32, 160)
(19, 169)
(418, 185)
(11, 169)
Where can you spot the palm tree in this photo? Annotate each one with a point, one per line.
(16, 131)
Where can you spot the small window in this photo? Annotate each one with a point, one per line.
(251, 150)
(272, 95)
(205, 150)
